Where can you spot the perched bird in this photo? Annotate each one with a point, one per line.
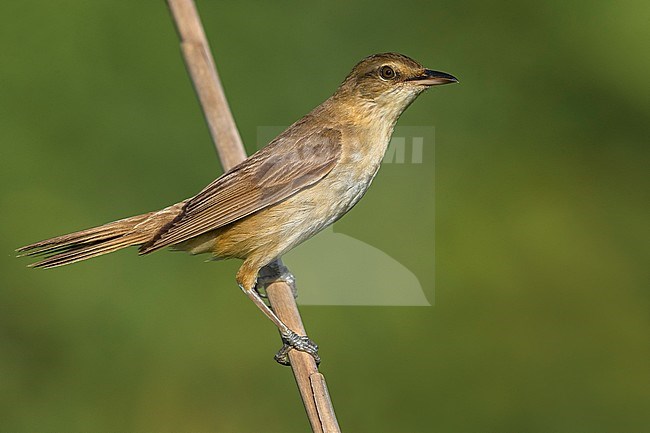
(304, 180)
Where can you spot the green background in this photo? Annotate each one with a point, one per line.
(541, 319)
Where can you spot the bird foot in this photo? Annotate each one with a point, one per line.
(299, 342)
(274, 272)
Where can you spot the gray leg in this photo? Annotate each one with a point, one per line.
(255, 297)
(290, 339)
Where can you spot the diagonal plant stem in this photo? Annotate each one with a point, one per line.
(226, 138)
(202, 70)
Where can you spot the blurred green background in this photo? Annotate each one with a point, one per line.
(541, 319)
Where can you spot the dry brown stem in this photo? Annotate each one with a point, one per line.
(227, 141)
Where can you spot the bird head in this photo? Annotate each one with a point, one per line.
(387, 83)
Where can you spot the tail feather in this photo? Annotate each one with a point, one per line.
(87, 252)
(96, 241)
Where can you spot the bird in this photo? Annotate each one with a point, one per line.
(304, 180)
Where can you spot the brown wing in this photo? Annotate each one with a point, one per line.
(274, 173)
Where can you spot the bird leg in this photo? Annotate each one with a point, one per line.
(291, 340)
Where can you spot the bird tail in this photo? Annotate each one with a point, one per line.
(86, 244)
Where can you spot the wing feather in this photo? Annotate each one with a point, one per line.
(279, 170)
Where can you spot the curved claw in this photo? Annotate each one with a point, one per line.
(299, 342)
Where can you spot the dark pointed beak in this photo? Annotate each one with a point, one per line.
(433, 78)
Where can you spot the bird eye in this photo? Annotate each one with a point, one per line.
(386, 72)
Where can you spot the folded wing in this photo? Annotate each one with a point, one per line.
(276, 172)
